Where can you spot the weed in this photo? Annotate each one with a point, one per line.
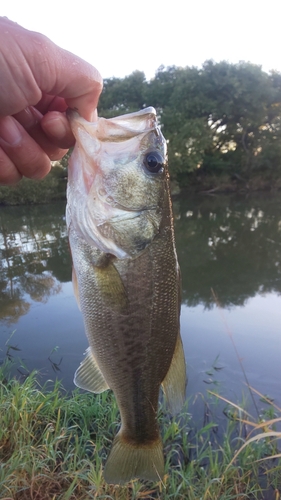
(53, 446)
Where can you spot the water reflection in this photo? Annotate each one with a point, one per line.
(229, 244)
(34, 258)
(232, 245)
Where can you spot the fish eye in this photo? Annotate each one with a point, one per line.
(154, 162)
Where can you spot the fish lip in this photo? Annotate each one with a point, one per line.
(150, 110)
(128, 213)
(142, 122)
(136, 210)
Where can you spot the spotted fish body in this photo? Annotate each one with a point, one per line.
(126, 280)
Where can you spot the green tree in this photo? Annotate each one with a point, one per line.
(222, 118)
(121, 96)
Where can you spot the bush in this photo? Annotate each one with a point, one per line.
(29, 191)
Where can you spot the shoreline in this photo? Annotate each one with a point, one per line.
(59, 443)
(53, 188)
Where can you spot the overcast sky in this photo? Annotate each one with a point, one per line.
(121, 36)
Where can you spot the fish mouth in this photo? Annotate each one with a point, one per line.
(129, 214)
(119, 128)
(139, 210)
(125, 216)
(109, 203)
(124, 213)
(101, 198)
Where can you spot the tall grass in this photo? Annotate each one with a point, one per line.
(54, 445)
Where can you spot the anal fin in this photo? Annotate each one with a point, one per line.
(88, 375)
(174, 384)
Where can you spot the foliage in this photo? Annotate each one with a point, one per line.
(122, 96)
(30, 191)
(221, 121)
(220, 118)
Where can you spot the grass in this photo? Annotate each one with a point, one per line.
(53, 446)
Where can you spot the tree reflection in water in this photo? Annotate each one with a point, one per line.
(229, 244)
(34, 258)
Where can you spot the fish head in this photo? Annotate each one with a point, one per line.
(118, 181)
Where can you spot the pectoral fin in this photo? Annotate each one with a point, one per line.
(110, 284)
(174, 383)
(88, 376)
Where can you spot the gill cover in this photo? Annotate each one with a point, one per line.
(116, 181)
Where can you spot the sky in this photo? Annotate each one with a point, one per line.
(121, 36)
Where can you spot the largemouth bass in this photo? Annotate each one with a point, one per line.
(126, 280)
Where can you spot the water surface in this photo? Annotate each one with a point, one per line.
(229, 250)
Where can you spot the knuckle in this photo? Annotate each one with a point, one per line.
(35, 165)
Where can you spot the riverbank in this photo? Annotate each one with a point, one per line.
(53, 187)
(226, 183)
(33, 192)
(54, 445)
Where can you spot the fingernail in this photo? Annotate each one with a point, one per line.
(9, 131)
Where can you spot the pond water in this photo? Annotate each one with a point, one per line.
(229, 249)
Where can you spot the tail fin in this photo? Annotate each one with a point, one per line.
(127, 461)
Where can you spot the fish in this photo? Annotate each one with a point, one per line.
(126, 280)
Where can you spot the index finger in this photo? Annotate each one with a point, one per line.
(44, 68)
(82, 85)
(72, 78)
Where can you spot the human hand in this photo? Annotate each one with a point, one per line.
(39, 80)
